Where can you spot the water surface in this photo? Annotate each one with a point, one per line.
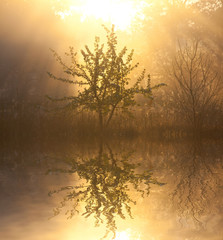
(138, 190)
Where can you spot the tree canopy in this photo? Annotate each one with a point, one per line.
(103, 78)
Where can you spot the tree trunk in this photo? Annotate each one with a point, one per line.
(101, 124)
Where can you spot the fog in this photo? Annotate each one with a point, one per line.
(159, 33)
(111, 115)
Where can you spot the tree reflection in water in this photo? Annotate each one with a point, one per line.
(109, 180)
(197, 184)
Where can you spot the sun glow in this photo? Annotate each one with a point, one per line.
(126, 235)
(120, 13)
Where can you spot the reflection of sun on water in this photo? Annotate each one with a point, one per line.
(122, 236)
(126, 235)
(120, 13)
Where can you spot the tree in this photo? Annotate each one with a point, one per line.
(197, 85)
(103, 79)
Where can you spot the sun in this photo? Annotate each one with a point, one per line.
(120, 13)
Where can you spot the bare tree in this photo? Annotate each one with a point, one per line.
(196, 83)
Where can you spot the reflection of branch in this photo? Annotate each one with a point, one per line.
(106, 191)
(196, 185)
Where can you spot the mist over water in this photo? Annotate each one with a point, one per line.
(188, 206)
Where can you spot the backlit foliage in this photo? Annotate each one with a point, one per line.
(103, 79)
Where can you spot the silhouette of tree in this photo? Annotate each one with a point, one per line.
(197, 85)
(104, 79)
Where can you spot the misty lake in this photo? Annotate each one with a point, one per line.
(131, 190)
